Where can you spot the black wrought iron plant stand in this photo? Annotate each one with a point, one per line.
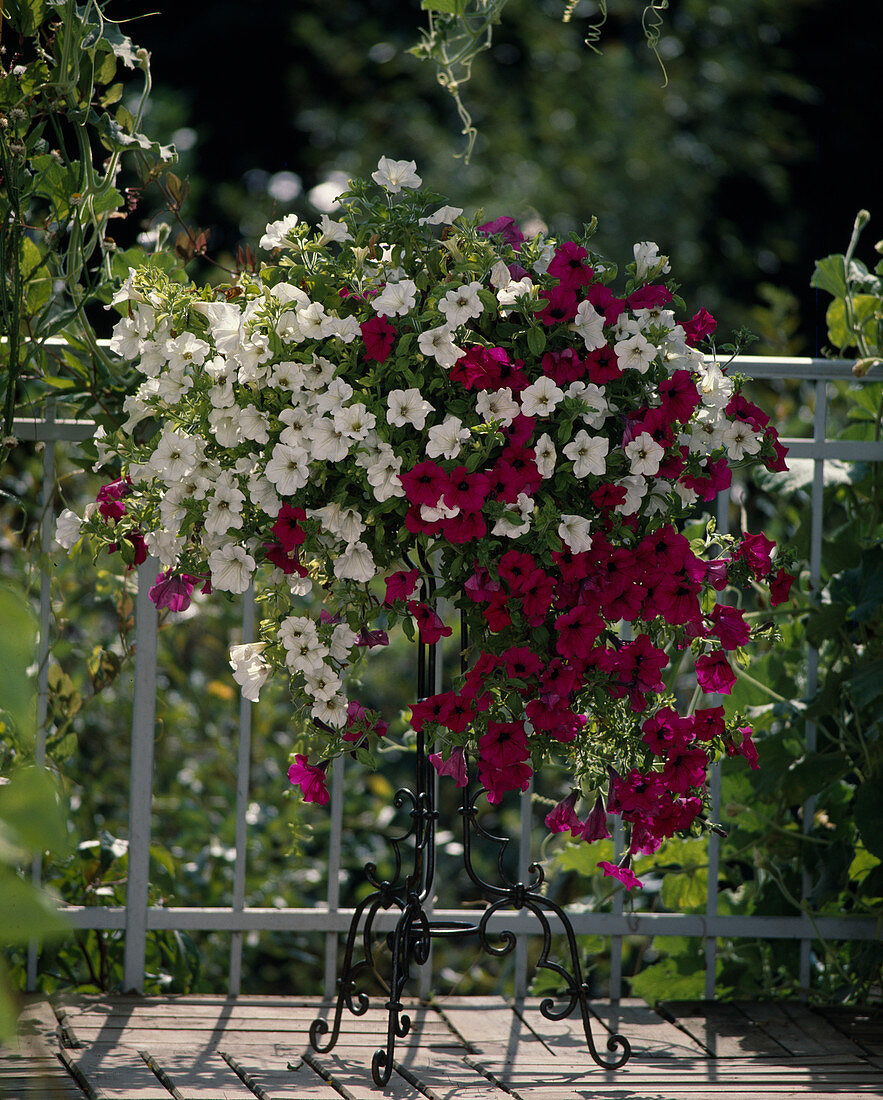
(411, 939)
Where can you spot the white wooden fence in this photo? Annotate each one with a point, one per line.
(138, 918)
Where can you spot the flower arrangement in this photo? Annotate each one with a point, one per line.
(407, 405)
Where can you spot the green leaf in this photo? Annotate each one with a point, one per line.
(536, 340)
(25, 15)
(584, 858)
(450, 7)
(830, 275)
(18, 641)
(823, 623)
(672, 978)
(25, 912)
(30, 807)
(867, 682)
(869, 814)
(844, 331)
(811, 774)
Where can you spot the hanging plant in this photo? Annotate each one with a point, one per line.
(408, 404)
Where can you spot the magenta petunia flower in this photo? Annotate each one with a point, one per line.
(310, 778)
(563, 818)
(379, 336)
(454, 766)
(714, 673)
(623, 874)
(172, 591)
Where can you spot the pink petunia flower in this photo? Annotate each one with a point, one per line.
(310, 778)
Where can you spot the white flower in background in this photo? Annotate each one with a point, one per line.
(407, 407)
(295, 627)
(288, 376)
(253, 424)
(574, 532)
(714, 387)
(497, 405)
(184, 350)
(589, 323)
(285, 293)
(644, 454)
(396, 174)
(635, 489)
(540, 398)
(441, 511)
(250, 669)
(313, 321)
(276, 233)
(545, 455)
(262, 493)
(175, 456)
(445, 215)
(355, 563)
(327, 441)
(224, 424)
(516, 521)
(655, 318)
(225, 324)
(164, 545)
(383, 477)
(688, 496)
(508, 294)
(288, 327)
(343, 523)
(445, 439)
(500, 275)
(344, 328)
(462, 304)
(171, 509)
(332, 232)
(225, 508)
(67, 529)
(740, 440)
(335, 397)
(222, 396)
(354, 421)
(635, 353)
(648, 259)
(334, 711)
(296, 420)
(657, 502)
(231, 567)
(626, 327)
(288, 469)
(545, 256)
(706, 432)
(595, 403)
(439, 343)
(318, 373)
(322, 682)
(588, 454)
(342, 641)
(396, 299)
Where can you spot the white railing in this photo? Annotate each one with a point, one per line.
(138, 918)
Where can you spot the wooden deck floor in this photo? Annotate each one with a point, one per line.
(212, 1048)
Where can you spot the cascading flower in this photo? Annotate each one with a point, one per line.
(405, 406)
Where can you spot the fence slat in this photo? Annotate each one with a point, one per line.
(243, 764)
(141, 781)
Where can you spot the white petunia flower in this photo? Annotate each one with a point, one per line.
(184, 350)
(589, 323)
(383, 477)
(501, 276)
(343, 523)
(445, 215)
(327, 441)
(250, 669)
(546, 456)
(332, 231)
(355, 563)
(277, 232)
(231, 566)
(540, 398)
(175, 456)
(346, 329)
(446, 438)
(588, 454)
(224, 424)
(313, 321)
(225, 324)
(396, 299)
(253, 424)
(295, 627)
(288, 327)
(595, 403)
(439, 343)
(288, 376)
(334, 711)
(714, 387)
(706, 432)
(462, 304)
(740, 440)
(288, 469)
(393, 175)
(342, 641)
(510, 292)
(262, 492)
(635, 353)
(323, 682)
(335, 397)
(407, 407)
(644, 454)
(284, 293)
(648, 260)
(354, 421)
(67, 529)
(574, 532)
(318, 373)
(515, 521)
(296, 420)
(635, 489)
(164, 545)
(497, 405)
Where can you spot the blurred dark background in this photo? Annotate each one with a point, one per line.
(748, 165)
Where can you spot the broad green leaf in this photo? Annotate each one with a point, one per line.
(671, 978)
(842, 331)
(18, 640)
(830, 275)
(863, 861)
(25, 912)
(869, 814)
(823, 623)
(811, 774)
(867, 682)
(25, 15)
(449, 7)
(30, 808)
(536, 340)
(584, 858)
(685, 891)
